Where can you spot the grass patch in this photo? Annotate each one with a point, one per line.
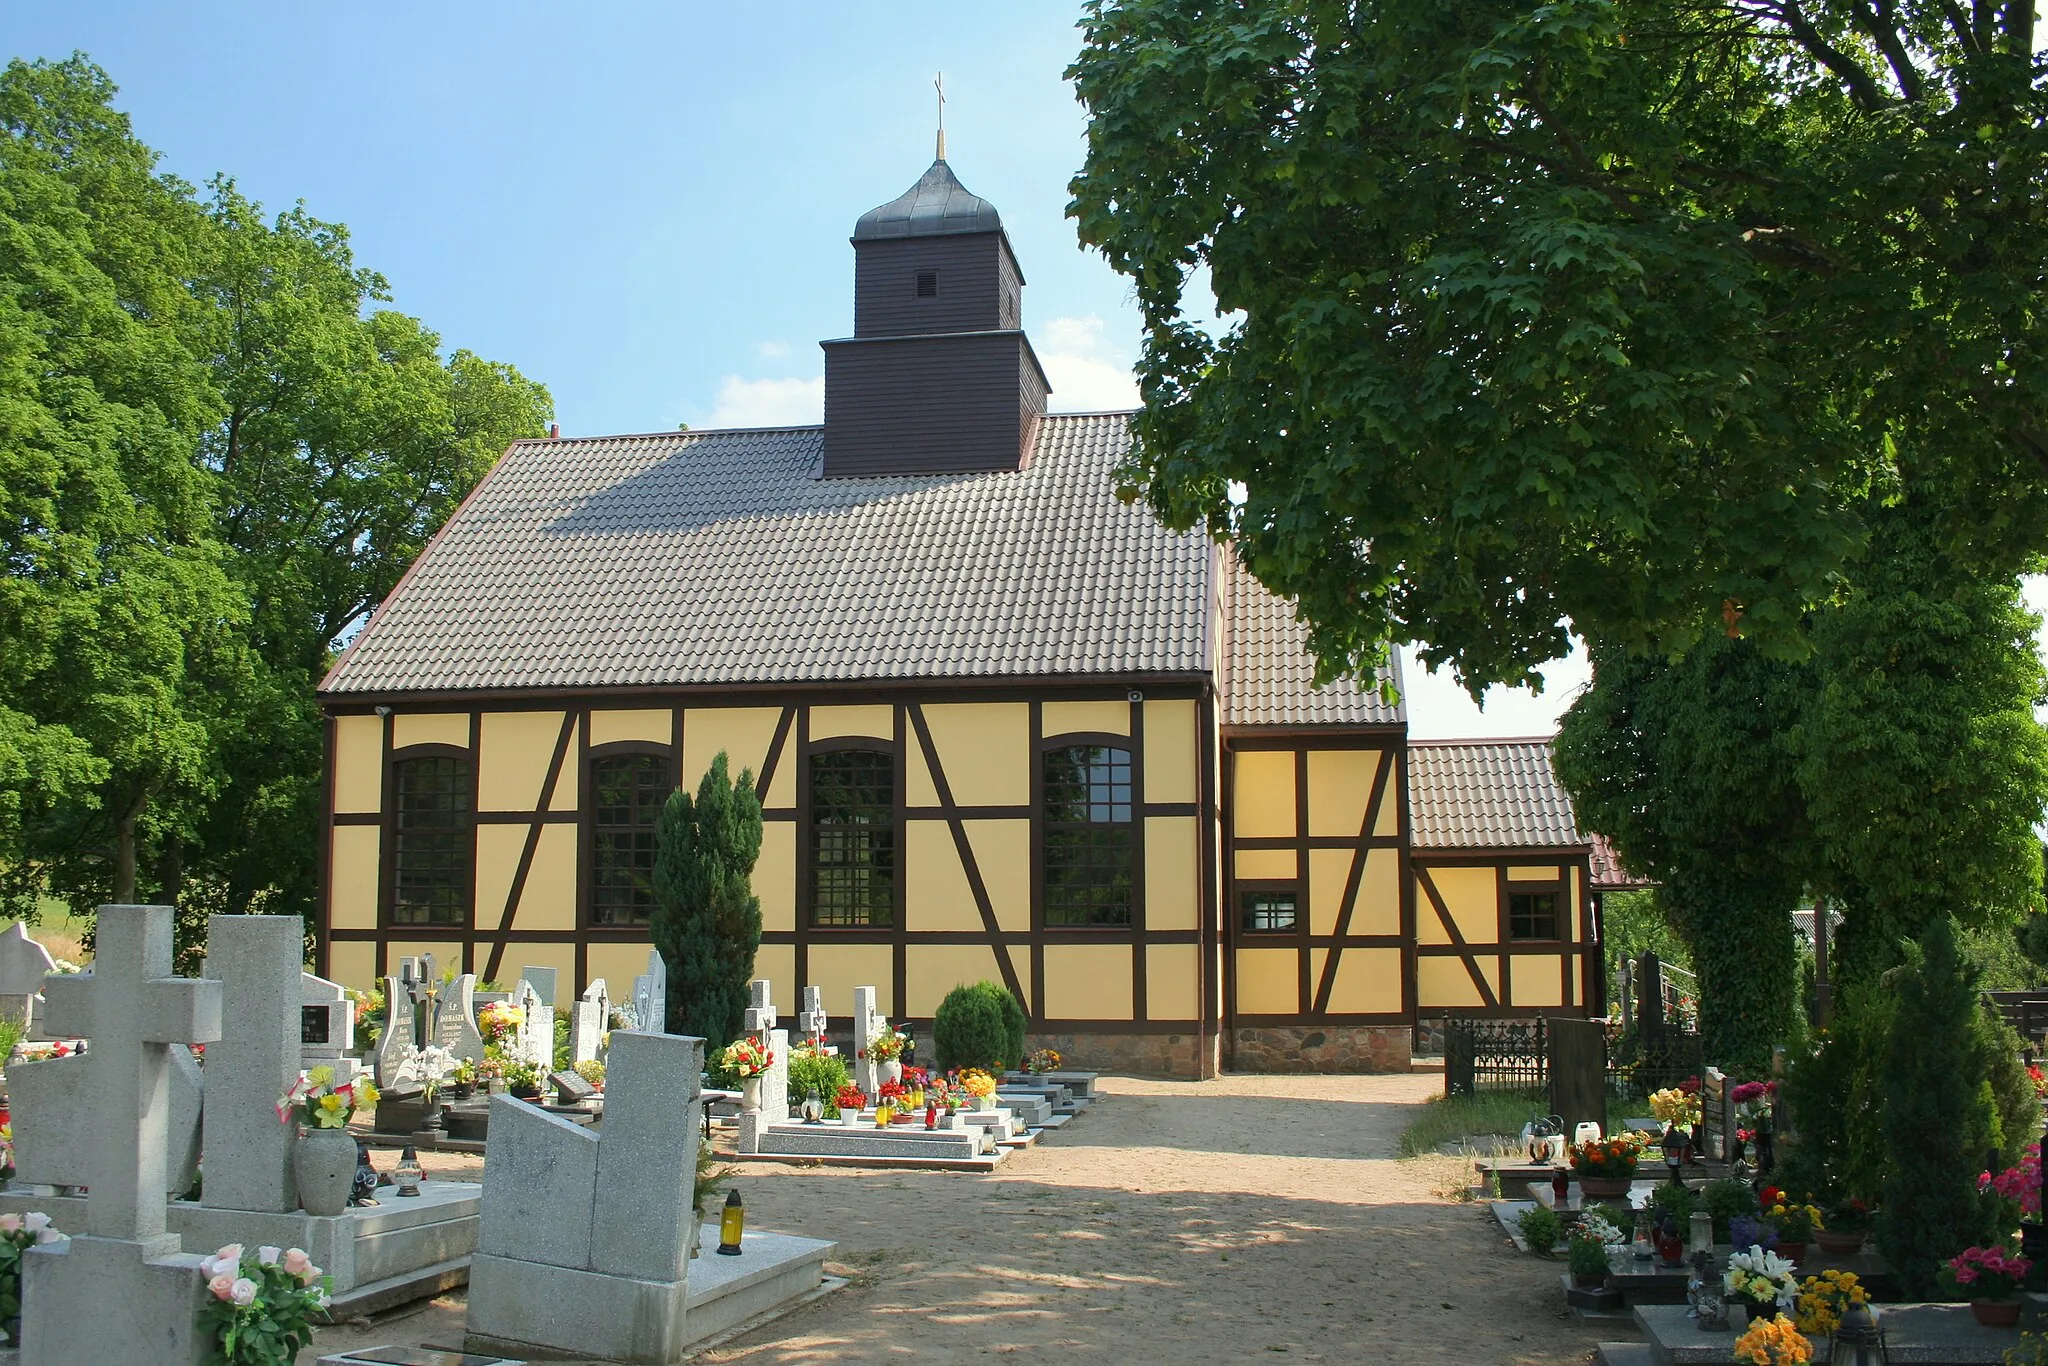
(1445, 1119)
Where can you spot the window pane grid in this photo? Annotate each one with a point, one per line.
(1532, 915)
(431, 845)
(853, 837)
(1269, 910)
(1090, 840)
(628, 793)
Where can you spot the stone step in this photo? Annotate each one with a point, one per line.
(797, 1140)
(1625, 1354)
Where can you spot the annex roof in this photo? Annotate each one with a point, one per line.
(937, 204)
(1269, 675)
(1488, 794)
(1608, 874)
(687, 558)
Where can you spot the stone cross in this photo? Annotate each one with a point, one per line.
(23, 965)
(535, 1041)
(587, 1027)
(255, 959)
(867, 1022)
(760, 1022)
(543, 980)
(650, 996)
(813, 1020)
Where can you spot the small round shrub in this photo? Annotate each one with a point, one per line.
(969, 1029)
(824, 1073)
(1588, 1256)
(1540, 1228)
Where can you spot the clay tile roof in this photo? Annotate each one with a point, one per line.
(1608, 874)
(1488, 794)
(1269, 675)
(720, 557)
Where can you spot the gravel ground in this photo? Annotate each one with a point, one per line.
(1177, 1222)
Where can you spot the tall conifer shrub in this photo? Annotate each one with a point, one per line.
(707, 920)
(1938, 1114)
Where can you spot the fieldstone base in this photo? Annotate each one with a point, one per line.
(1186, 1055)
(1322, 1048)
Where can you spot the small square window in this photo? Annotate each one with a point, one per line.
(1269, 910)
(927, 284)
(1532, 915)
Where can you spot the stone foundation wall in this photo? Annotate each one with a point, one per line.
(1186, 1055)
(1321, 1048)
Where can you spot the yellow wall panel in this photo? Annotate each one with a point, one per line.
(1268, 982)
(1339, 786)
(1316, 959)
(430, 728)
(1389, 823)
(1273, 865)
(936, 894)
(1263, 795)
(561, 957)
(876, 722)
(775, 875)
(358, 763)
(512, 768)
(353, 965)
(1002, 851)
(1473, 896)
(1173, 897)
(836, 969)
(1172, 982)
(1088, 981)
(1540, 872)
(1378, 908)
(1368, 982)
(1537, 981)
(744, 733)
(498, 848)
(1109, 718)
(447, 954)
(569, 782)
(1570, 911)
(1428, 929)
(932, 970)
(1444, 982)
(985, 750)
(549, 899)
(918, 787)
(655, 725)
(781, 793)
(1172, 751)
(1329, 870)
(352, 870)
(618, 964)
(777, 963)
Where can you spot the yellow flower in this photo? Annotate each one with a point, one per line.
(321, 1076)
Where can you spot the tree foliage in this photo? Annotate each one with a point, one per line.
(707, 920)
(1609, 313)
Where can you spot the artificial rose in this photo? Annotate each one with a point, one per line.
(35, 1222)
(49, 1235)
(296, 1262)
(222, 1286)
(10, 1223)
(231, 1255)
(267, 1256)
(243, 1292)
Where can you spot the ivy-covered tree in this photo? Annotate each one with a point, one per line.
(1607, 315)
(707, 920)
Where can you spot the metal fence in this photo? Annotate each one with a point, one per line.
(1512, 1055)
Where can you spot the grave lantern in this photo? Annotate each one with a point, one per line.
(408, 1171)
(814, 1107)
(732, 1225)
(1674, 1153)
(1709, 1303)
(1858, 1340)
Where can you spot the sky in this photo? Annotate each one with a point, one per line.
(646, 206)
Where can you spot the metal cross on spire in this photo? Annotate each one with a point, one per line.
(939, 84)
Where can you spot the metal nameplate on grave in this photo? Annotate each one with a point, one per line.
(313, 1024)
(414, 1356)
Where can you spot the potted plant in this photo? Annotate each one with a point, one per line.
(1540, 1228)
(1848, 1223)
(1042, 1060)
(1726, 1198)
(1586, 1256)
(1797, 1223)
(428, 1066)
(524, 1080)
(18, 1233)
(490, 1073)
(592, 1071)
(462, 1081)
(1754, 1101)
(1991, 1278)
(1822, 1299)
(1773, 1341)
(1761, 1280)
(261, 1303)
(748, 1059)
(1751, 1231)
(981, 1086)
(1606, 1166)
(848, 1104)
(324, 1159)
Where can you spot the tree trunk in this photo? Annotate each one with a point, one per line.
(124, 857)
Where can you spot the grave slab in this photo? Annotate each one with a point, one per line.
(1921, 1334)
(414, 1356)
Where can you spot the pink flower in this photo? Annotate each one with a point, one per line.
(10, 1223)
(243, 1292)
(230, 1255)
(267, 1256)
(296, 1262)
(222, 1287)
(1965, 1274)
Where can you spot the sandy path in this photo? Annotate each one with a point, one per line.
(1179, 1222)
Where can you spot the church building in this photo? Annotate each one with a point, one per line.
(1003, 725)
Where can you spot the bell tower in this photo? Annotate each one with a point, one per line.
(938, 376)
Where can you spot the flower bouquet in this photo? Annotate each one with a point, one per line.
(2040, 1080)
(1774, 1341)
(1042, 1060)
(1990, 1278)
(318, 1103)
(1753, 1100)
(1677, 1108)
(850, 1101)
(499, 1021)
(18, 1233)
(886, 1046)
(428, 1066)
(1822, 1299)
(2021, 1183)
(1760, 1279)
(1586, 1254)
(981, 1086)
(746, 1057)
(1606, 1166)
(262, 1303)
(1797, 1223)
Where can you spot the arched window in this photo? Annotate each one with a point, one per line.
(627, 793)
(1090, 842)
(431, 857)
(853, 837)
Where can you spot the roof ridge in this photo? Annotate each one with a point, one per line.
(779, 427)
(1474, 742)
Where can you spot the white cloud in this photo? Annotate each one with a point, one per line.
(1440, 709)
(772, 350)
(769, 402)
(1087, 372)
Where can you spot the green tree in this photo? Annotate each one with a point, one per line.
(1939, 1116)
(707, 920)
(1609, 313)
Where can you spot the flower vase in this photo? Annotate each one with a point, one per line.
(1594, 1187)
(985, 1105)
(892, 1070)
(1837, 1244)
(431, 1114)
(750, 1094)
(1792, 1252)
(324, 1161)
(1995, 1313)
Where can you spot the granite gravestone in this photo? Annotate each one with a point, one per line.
(455, 1029)
(327, 1027)
(122, 1291)
(867, 1022)
(23, 965)
(813, 1021)
(255, 959)
(543, 980)
(398, 1030)
(650, 996)
(590, 1023)
(759, 1022)
(535, 1040)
